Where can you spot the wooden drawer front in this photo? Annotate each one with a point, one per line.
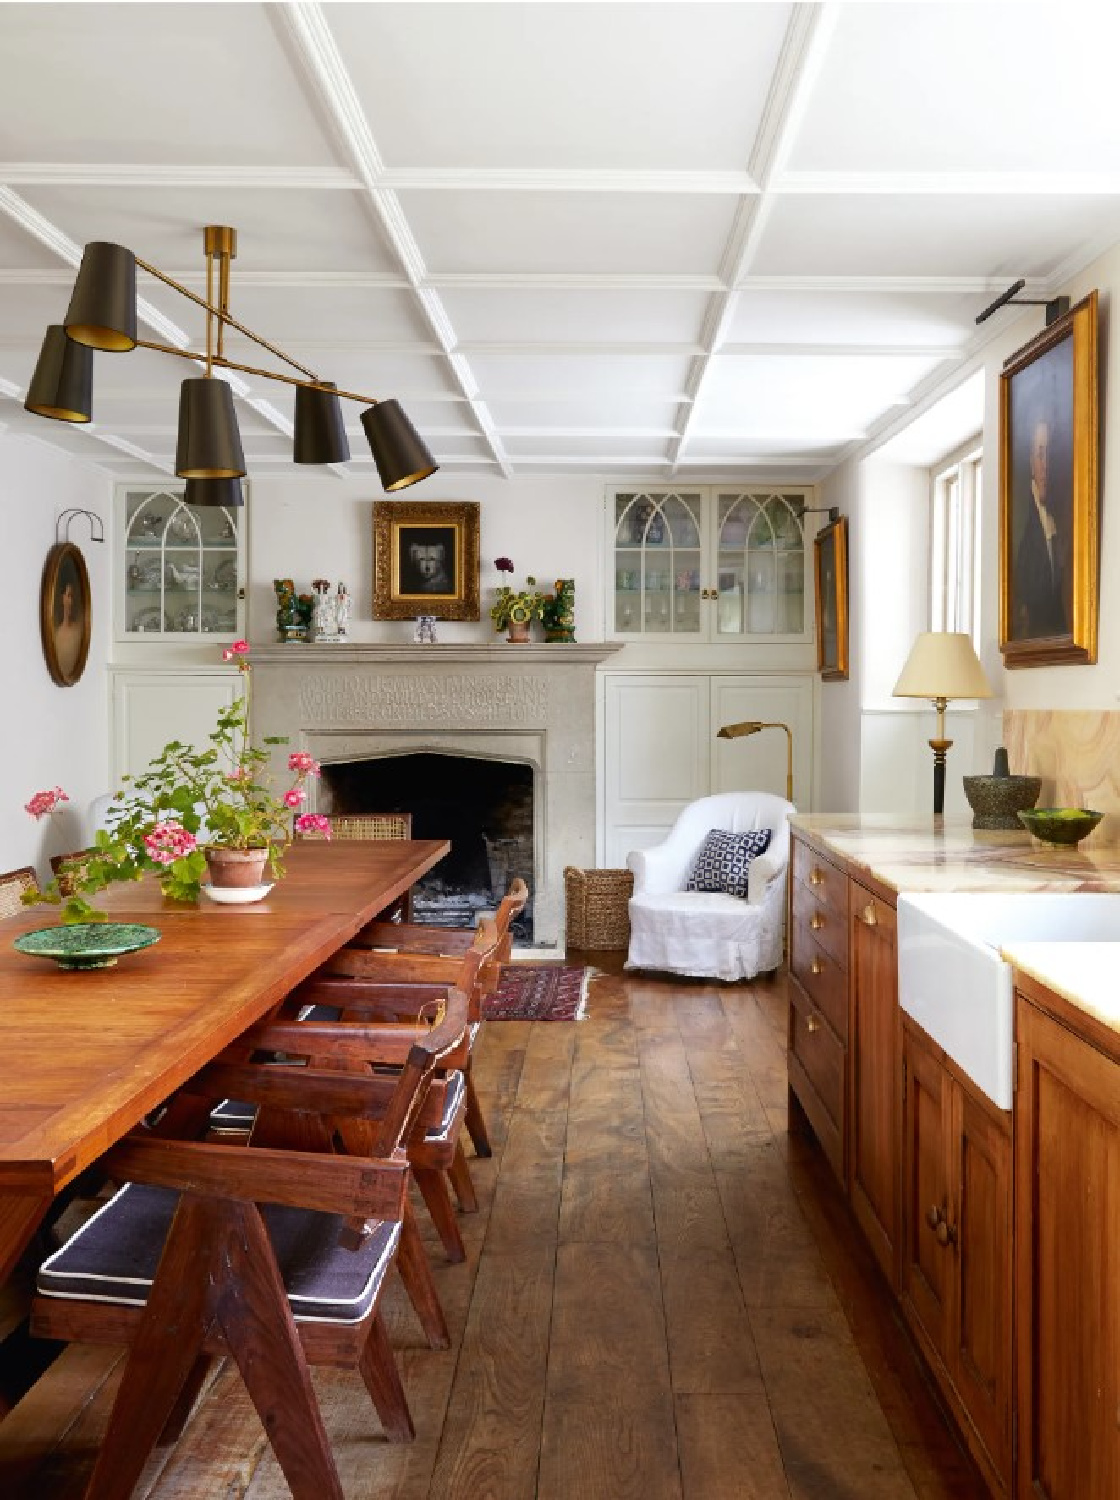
(827, 883)
(814, 1045)
(827, 925)
(870, 911)
(824, 980)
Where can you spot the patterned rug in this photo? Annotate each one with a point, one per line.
(539, 992)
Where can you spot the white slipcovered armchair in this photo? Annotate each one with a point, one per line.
(711, 936)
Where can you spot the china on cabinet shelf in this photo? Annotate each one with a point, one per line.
(179, 568)
(709, 563)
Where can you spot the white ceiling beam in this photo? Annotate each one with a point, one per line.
(987, 184)
(304, 28)
(165, 174)
(803, 50)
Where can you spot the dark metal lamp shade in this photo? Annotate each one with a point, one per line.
(399, 451)
(209, 444)
(224, 492)
(102, 312)
(62, 385)
(320, 436)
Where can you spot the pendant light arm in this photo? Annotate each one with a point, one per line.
(233, 364)
(225, 317)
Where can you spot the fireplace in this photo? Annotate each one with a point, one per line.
(530, 708)
(483, 805)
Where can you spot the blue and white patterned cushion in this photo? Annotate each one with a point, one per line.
(724, 861)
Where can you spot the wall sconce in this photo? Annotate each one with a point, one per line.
(102, 315)
(942, 665)
(752, 726)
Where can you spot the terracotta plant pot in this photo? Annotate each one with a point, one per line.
(518, 632)
(238, 868)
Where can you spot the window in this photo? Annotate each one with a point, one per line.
(955, 545)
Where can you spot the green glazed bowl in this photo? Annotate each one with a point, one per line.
(87, 945)
(1060, 825)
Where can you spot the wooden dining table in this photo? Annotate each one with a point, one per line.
(88, 1054)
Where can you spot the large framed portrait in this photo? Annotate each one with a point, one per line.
(830, 559)
(1048, 516)
(64, 613)
(425, 560)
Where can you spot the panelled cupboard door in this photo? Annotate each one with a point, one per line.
(152, 707)
(758, 761)
(875, 1091)
(928, 1205)
(1067, 1249)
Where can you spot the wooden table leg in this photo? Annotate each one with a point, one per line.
(20, 1216)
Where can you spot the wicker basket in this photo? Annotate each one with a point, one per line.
(597, 902)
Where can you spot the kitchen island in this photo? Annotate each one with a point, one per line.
(925, 1157)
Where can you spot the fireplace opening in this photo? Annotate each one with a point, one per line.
(485, 808)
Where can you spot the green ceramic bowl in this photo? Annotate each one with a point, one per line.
(1060, 825)
(87, 945)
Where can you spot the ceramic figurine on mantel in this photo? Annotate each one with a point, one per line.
(324, 617)
(558, 613)
(343, 605)
(425, 633)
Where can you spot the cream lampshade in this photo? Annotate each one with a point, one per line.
(942, 665)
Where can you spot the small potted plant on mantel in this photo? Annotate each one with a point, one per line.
(191, 812)
(514, 610)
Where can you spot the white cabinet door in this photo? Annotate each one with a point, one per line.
(149, 708)
(758, 762)
(656, 756)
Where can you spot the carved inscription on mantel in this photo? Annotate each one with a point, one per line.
(358, 698)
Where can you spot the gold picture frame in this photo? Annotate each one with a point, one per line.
(1048, 503)
(830, 570)
(65, 613)
(425, 560)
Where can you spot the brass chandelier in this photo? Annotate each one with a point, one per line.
(208, 454)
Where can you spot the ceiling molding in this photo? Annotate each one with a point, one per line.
(996, 184)
(305, 29)
(165, 174)
(566, 180)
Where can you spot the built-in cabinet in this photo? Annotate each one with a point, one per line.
(708, 563)
(660, 751)
(179, 569)
(956, 1245)
(1067, 1254)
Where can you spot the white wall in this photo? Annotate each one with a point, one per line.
(49, 735)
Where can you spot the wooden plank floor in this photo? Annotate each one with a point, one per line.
(664, 1298)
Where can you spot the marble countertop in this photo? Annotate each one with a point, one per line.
(1082, 973)
(934, 855)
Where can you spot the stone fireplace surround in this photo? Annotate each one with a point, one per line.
(530, 704)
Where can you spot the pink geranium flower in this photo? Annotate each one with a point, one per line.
(295, 797)
(45, 802)
(314, 823)
(168, 842)
(301, 760)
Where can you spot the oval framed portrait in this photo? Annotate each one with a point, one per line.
(64, 613)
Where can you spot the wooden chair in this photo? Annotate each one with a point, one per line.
(12, 886)
(362, 826)
(446, 942)
(182, 1264)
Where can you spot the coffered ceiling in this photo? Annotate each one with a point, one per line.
(667, 240)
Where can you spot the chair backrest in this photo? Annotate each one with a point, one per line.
(65, 867)
(737, 812)
(12, 886)
(366, 826)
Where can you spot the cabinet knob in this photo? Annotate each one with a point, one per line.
(816, 921)
(816, 967)
(867, 916)
(933, 1217)
(815, 876)
(812, 1024)
(946, 1233)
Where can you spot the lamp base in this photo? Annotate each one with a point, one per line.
(940, 749)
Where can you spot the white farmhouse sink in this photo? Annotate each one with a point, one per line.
(954, 983)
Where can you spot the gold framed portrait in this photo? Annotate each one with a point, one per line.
(830, 570)
(425, 559)
(65, 614)
(1048, 507)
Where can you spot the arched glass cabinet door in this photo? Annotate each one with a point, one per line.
(181, 569)
(658, 561)
(760, 564)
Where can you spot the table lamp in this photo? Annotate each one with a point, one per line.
(752, 726)
(942, 665)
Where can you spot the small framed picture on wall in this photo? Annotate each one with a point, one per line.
(830, 557)
(64, 613)
(425, 560)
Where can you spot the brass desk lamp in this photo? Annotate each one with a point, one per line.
(752, 726)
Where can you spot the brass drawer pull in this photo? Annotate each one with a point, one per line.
(933, 1217)
(867, 915)
(812, 1024)
(816, 967)
(946, 1233)
(815, 876)
(816, 921)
